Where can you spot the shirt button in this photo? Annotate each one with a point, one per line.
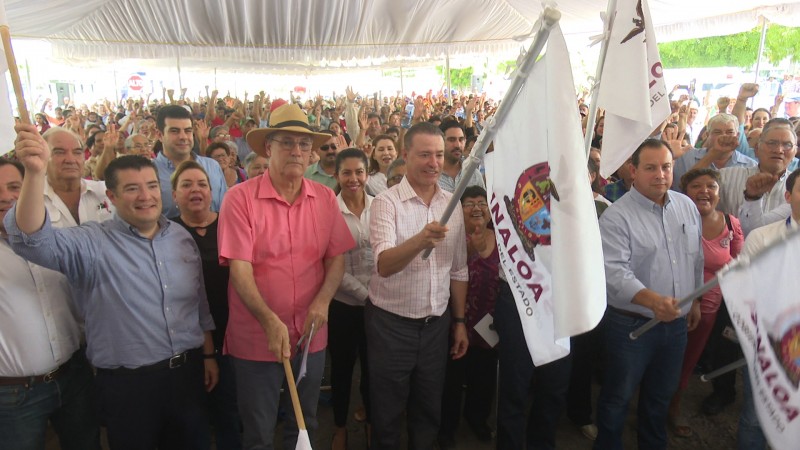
(165, 286)
(673, 262)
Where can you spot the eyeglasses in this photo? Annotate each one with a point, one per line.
(325, 147)
(785, 146)
(471, 205)
(288, 144)
(222, 135)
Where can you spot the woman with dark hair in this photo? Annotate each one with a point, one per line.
(477, 370)
(191, 191)
(597, 140)
(383, 154)
(722, 241)
(221, 153)
(760, 118)
(347, 339)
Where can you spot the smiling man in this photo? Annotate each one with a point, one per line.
(653, 258)
(454, 142)
(411, 299)
(177, 138)
(144, 337)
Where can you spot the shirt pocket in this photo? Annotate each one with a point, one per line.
(691, 239)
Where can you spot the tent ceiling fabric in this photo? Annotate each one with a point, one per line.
(342, 33)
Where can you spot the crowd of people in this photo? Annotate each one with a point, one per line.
(164, 258)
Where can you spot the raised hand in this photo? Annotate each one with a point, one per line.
(31, 150)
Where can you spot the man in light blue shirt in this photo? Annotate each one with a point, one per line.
(455, 141)
(139, 285)
(177, 138)
(719, 152)
(653, 257)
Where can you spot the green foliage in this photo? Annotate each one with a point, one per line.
(737, 50)
(460, 79)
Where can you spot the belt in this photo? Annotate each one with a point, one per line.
(36, 379)
(173, 362)
(427, 320)
(626, 313)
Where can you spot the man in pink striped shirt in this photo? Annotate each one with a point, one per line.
(411, 299)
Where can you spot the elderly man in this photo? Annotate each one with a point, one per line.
(720, 150)
(761, 185)
(454, 141)
(284, 240)
(411, 299)
(70, 199)
(653, 258)
(44, 374)
(323, 170)
(139, 286)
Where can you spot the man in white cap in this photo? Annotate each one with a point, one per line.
(284, 240)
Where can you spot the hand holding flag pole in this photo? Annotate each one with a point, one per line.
(739, 263)
(548, 20)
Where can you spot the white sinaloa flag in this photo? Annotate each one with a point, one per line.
(632, 89)
(7, 133)
(763, 300)
(303, 440)
(543, 210)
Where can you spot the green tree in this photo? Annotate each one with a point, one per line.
(460, 79)
(738, 50)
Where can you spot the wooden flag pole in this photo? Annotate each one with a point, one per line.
(16, 82)
(298, 413)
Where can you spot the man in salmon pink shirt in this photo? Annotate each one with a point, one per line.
(284, 240)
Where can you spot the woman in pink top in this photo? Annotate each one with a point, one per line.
(722, 241)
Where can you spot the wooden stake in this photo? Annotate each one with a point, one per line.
(16, 83)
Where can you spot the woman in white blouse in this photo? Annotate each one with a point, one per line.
(346, 338)
(383, 154)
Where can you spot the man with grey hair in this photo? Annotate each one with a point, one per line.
(69, 198)
(719, 152)
(138, 144)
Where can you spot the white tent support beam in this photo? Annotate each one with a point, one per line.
(764, 25)
(449, 87)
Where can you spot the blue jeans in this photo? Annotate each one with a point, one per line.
(651, 363)
(749, 436)
(66, 401)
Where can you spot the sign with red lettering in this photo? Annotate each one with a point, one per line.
(135, 83)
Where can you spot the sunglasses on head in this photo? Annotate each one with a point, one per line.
(325, 147)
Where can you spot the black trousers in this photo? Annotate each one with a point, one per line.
(164, 409)
(478, 371)
(520, 380)
(407, 363)
(347, 341)
(585, 350)
(723, 351)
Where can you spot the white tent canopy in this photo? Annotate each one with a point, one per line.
(307, 34)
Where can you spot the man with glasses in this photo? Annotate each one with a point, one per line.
(764, 184)
(177, 139)
(138, 144)
(323, 170)
(284, 240)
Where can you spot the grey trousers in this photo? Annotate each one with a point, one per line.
(258, 386)
(407, 366)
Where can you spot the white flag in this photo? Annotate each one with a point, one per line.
(303, 440)
(543, 210)
(762, 299)
(7, 133)
(632, 89)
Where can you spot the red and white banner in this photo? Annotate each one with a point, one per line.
(543, 210)
(632, 89)
(763, 302)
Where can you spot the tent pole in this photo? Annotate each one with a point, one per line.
(764, 24)
(116, 88)
(180, 81)
(449, 87)
(402, 89)
(215, 78)
(612, 7)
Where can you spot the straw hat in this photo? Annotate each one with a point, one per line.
(287, 117)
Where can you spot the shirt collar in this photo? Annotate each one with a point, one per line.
(168, 162)
(345, 210)
(49, 192)
(267, 190)
(646, 202)
(406, 192)
(163, 225)
(318, 169)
